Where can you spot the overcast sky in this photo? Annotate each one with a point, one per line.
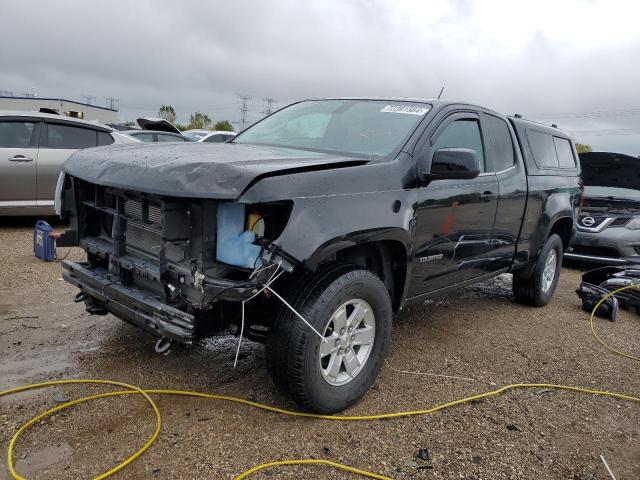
(534, 57)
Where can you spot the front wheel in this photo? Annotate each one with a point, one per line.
(538, 289)
(351, 309)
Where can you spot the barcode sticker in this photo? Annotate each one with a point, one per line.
(405, 109)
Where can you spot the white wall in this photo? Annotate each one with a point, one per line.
(102, 115)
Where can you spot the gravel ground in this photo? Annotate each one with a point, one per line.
(479, 334)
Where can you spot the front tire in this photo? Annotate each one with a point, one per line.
(538, 289)
(351, 308)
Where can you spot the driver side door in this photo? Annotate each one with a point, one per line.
(454, 218)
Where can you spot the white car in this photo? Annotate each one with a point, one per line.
(33, 147)
(215, 136)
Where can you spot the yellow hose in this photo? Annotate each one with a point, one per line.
(133, 390)
(593, 330)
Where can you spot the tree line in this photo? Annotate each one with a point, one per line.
(197, 120)
(583, 148)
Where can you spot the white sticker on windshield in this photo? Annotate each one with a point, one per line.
(405, 109)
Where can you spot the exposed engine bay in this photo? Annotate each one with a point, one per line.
(191, 258)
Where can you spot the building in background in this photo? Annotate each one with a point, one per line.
(69, 108)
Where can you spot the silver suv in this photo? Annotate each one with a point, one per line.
(608, 230)
(33, 147)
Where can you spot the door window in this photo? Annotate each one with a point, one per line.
(144, 137)
(16, 134)
(163, 137)
(565, 152)
(462, 134)
(543, 149)
(500, 149)
(550, 151)
(104, 138)
(69, 137)
(218, 138)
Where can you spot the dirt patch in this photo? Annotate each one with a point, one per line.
(42, 460)
(467, 343)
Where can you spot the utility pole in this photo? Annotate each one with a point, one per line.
(243, 110)
(113, 103)
(88, 99)
(270, 103)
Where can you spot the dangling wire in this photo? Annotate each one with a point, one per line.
(258, 270)
(273, 278)
(323, 339)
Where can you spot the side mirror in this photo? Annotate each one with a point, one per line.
(454, 164)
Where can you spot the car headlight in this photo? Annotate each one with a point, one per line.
(633, 224)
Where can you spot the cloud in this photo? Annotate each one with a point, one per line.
(530, 57)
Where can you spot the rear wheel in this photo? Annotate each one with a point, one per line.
(538, 289)
(351, 309)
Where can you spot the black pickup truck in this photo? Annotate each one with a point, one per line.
(312, 227)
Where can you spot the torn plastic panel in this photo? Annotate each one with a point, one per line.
(599, 282)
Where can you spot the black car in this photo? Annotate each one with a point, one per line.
(312, 227)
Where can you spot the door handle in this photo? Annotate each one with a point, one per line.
(20, 158)
(488, 196)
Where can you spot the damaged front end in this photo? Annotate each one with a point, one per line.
(176, 267)
(600, 282)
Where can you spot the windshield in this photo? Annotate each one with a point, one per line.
(629, 193)
(348, 127)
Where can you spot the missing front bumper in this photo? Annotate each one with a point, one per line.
(130, 304)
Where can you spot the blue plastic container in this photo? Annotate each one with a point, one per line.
(44, 246)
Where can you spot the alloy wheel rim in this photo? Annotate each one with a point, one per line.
(549, 272)
(349, 335)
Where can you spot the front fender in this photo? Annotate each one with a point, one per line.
(321, 226)
(337, 244)
(341, 207)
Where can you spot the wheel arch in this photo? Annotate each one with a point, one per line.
(387, 256)
(563, 227)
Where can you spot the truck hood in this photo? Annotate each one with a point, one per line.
(196, 170)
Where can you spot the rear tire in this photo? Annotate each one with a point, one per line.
(538, 289)
(351, 308)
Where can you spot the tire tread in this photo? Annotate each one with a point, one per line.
(528, 291)
(288, 341)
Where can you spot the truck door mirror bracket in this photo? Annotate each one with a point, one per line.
(454, 164)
